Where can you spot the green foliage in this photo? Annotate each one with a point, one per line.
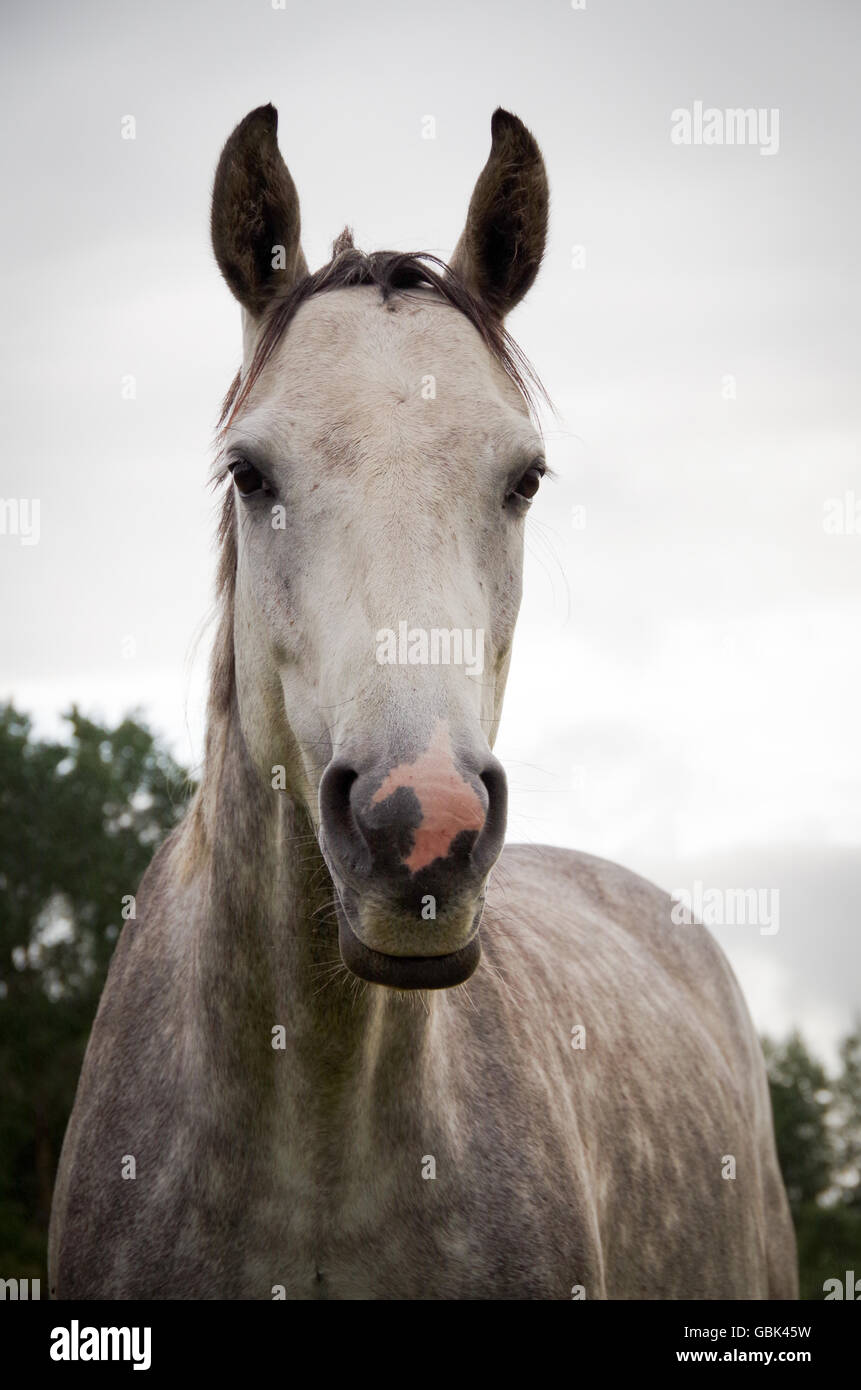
(800, 1099)
(79, 821)
(848, 1106)
(817, 1123)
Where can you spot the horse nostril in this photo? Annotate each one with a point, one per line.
(487, 847)
(341, 830)
(340, 778)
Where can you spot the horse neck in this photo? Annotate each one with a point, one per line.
(267, 943)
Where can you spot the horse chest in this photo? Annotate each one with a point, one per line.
(389, 1219)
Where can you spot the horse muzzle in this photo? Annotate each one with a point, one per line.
(409, 846)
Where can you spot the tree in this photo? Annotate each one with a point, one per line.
(817, 1123)
(800, 1099)
(848, 1104)
(79, 821)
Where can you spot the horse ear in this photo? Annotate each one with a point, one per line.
(502, 244)
(255, 214)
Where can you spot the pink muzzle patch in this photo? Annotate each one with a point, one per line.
(449, 804)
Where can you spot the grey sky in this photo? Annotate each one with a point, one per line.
(685, 687)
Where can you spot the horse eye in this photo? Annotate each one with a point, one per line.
(247, 478)
(530, 482)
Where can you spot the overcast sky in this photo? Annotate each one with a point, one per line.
(685, 690)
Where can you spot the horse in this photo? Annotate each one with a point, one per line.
(351, 1045)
